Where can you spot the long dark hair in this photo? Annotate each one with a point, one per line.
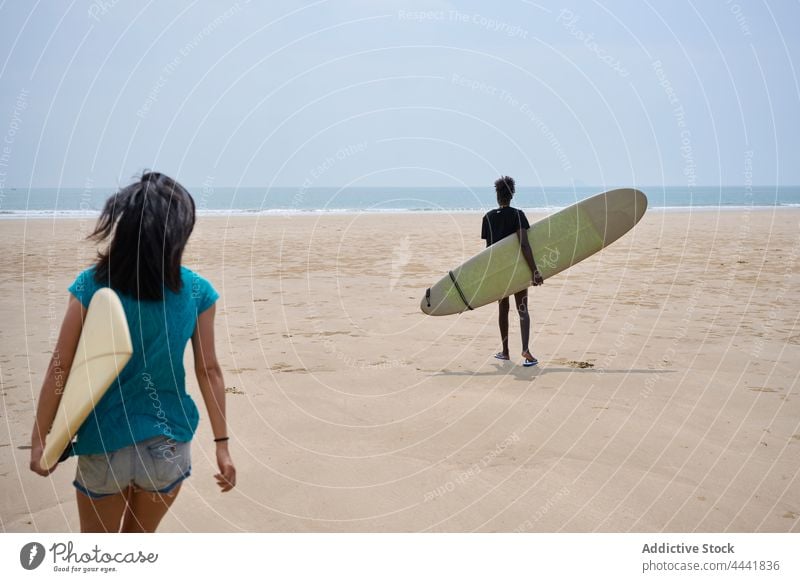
(149, 223)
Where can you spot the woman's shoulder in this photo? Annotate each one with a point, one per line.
(87, 277)
(190, 276)
(88, 272)
(85, 285)
(194, 280)
(199, 287)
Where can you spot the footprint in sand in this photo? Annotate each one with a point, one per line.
(284, 367)
(573, 363)
(233, 390)
(576, 363)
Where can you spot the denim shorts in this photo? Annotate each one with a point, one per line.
(158, 465)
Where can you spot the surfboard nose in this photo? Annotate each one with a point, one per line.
(425, 304)
(640, 204)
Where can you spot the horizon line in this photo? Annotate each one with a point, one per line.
(300, 187)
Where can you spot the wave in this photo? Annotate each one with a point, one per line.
(93, 214)
(17, 214)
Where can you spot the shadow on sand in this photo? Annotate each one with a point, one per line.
(521, 373)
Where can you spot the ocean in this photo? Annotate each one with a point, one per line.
(66, 202)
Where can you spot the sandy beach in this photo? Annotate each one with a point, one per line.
(666, 398)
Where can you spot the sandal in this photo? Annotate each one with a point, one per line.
(529, 362)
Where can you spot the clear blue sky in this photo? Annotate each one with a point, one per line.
(376, 93)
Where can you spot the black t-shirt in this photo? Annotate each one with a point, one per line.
(501, 222)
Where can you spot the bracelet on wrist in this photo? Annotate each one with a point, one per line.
(222, 439)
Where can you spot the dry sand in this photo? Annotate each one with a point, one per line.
(666, 399)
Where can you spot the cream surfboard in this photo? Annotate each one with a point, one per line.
(558, 242)
(103, 350)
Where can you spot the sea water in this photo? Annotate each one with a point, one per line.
(65, 202)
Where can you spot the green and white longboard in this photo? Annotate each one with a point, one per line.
(558, 242)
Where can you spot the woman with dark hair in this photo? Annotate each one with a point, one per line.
(134, 448)
(498, 224)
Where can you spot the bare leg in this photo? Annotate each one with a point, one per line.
(102, 515)
(146, 509)
(521, 299)
(503, 321)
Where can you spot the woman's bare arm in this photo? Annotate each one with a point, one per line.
(212, 387)
(54, 380)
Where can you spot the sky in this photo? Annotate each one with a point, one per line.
(396, 93)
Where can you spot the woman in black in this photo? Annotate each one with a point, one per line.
(498, 224)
